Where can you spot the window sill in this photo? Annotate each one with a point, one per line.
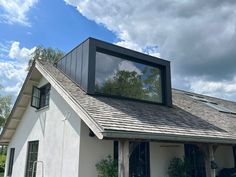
(43, 108)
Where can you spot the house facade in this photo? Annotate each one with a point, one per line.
(100, 100)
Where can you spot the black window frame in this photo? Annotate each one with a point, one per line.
(44, 96)
(139, 145)
(196, 162)
(234, 153)
(11, 161)
(29, 162)
(86, 55)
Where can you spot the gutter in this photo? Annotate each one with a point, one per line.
(114, 134)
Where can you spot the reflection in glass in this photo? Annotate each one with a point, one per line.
(124, 78)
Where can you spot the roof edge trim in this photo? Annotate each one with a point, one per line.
(20, 95)
(91, 123)
(165, 137)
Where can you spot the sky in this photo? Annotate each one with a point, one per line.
(197, 36)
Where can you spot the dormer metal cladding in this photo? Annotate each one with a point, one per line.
(102, 68)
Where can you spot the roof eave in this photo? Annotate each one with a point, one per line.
(5, 141)
(114, 134)
(90, 122)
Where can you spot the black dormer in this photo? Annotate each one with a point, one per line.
(105, 69)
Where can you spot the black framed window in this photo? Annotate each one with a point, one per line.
(128, 78)
(234, 152)
(32, 156)
(139, 162)
(11, 161)
(195, 158)
(40, 96)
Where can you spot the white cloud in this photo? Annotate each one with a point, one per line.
(15, 11)
(198, 36)
(14, 88)
(129, 45)
(222, 89)
(128, 66)
(20, 53)
(13, 67)
(12, 70)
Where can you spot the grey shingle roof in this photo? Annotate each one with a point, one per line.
(187, 117)
(222, 120)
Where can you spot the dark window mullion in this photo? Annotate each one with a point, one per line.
(40, 100)
(32, 157)
(139, 159)
(11, 160)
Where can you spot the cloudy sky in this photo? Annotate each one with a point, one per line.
(197, 36)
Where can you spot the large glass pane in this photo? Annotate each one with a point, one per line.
(119, 77)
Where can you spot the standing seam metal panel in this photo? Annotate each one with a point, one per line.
(85, 69)
(73, 64)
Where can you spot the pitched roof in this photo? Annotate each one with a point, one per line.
(188, 120)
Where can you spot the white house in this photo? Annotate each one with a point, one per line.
(100, 100)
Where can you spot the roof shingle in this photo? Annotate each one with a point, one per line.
(187, 117)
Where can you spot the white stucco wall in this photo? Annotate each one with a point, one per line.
(67, 150)
(92, 150)
(58, 130)
(224, 157)
(160, 156)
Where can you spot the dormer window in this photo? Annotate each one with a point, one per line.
(40, 96)
(100, 68)
(125, 77)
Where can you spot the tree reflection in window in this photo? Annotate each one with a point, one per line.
(120, 77)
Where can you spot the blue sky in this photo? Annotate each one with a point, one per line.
(197, 36)
(49, 23)
(54, 24)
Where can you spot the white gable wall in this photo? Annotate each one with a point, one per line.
(58, 130)
(92, 150)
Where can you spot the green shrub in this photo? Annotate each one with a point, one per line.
(178, 168)
(107, 167)
(2, 162)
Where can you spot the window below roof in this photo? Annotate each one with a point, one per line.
(10, 162)
(139, 159)
(40, 96)
(32, 157)
(120, 77)
(196, 161)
